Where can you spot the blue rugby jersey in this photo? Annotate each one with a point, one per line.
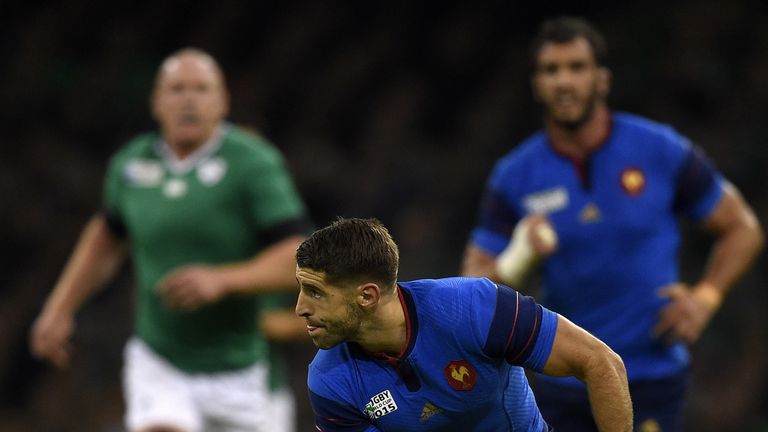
(460, 369)
(616, 217)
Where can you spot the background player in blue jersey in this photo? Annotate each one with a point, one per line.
(434, 354)
(599, 194)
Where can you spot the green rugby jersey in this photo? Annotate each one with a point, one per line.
(207, 209)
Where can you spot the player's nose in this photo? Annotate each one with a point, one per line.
(302, 308)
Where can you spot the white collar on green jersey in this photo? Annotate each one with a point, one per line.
(182, 166)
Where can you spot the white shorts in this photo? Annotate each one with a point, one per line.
(158, 394)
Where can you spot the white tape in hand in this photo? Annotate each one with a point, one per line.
(516, 259)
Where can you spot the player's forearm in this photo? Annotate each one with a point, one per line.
(606, 381)
(733, 254)
(96, 258)
(284, 326)
(478, 263)
(272, 270)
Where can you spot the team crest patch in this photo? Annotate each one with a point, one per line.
(212, 171)
(380, 405)
(632, 181)
(649, 425)
(460, 375)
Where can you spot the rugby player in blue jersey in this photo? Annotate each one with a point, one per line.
(598, 194)
(442, 354)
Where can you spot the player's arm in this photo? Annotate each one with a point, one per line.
(532, 239)
(478, 262)
(279, 321)
(739, 238)
(577, 353)
(275, 207)
(529, 335)
(283, 326)
(272, 270)
(333, 415)
(96, 258)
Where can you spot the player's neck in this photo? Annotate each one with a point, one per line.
(183, 149)
(185, 145)
(578, 143)
(385, 331)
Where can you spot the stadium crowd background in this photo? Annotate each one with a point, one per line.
(395, 110)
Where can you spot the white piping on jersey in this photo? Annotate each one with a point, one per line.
(182, 166)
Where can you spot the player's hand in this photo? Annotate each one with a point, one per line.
(541, 235)
(190, 287)
(49, 338)
(283, 325)
(688, 312)
(533, 239)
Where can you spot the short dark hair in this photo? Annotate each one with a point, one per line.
(565, 29)
(351, 251)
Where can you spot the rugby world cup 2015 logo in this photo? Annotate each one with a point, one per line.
(380, 405)
(460, 375)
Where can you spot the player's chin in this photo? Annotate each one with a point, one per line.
(322, 345)
(325, 342)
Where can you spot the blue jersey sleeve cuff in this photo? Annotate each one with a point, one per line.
(544, 342)
(704, 206)
(488, 240)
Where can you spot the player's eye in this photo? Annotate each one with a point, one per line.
(548, 69)
(578, 66)
(312, 293)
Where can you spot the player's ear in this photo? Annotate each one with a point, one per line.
(368, 294)
(604, 81)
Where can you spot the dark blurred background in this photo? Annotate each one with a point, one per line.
(395, 110)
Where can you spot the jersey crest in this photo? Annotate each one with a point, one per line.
(460, 375)
(212, 171)
(632, 181)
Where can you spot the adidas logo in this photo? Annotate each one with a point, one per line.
(429, 410)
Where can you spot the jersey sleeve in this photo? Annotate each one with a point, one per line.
(699, 185)
(331, 415)
(276, 206)
(332, 396)
(496, 218)
(111, 197)
(519, 330)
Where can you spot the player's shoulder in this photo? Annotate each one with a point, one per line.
(644, 126)
(453, 296)
(249, 145)
(139, 146)
(459, 284)
(332, 370)
(524, 154)
(529, 147)
(659, 141)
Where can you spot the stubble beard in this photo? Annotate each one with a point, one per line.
(343, 330)
(575, 124)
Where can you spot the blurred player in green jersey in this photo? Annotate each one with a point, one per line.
(211, 219)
